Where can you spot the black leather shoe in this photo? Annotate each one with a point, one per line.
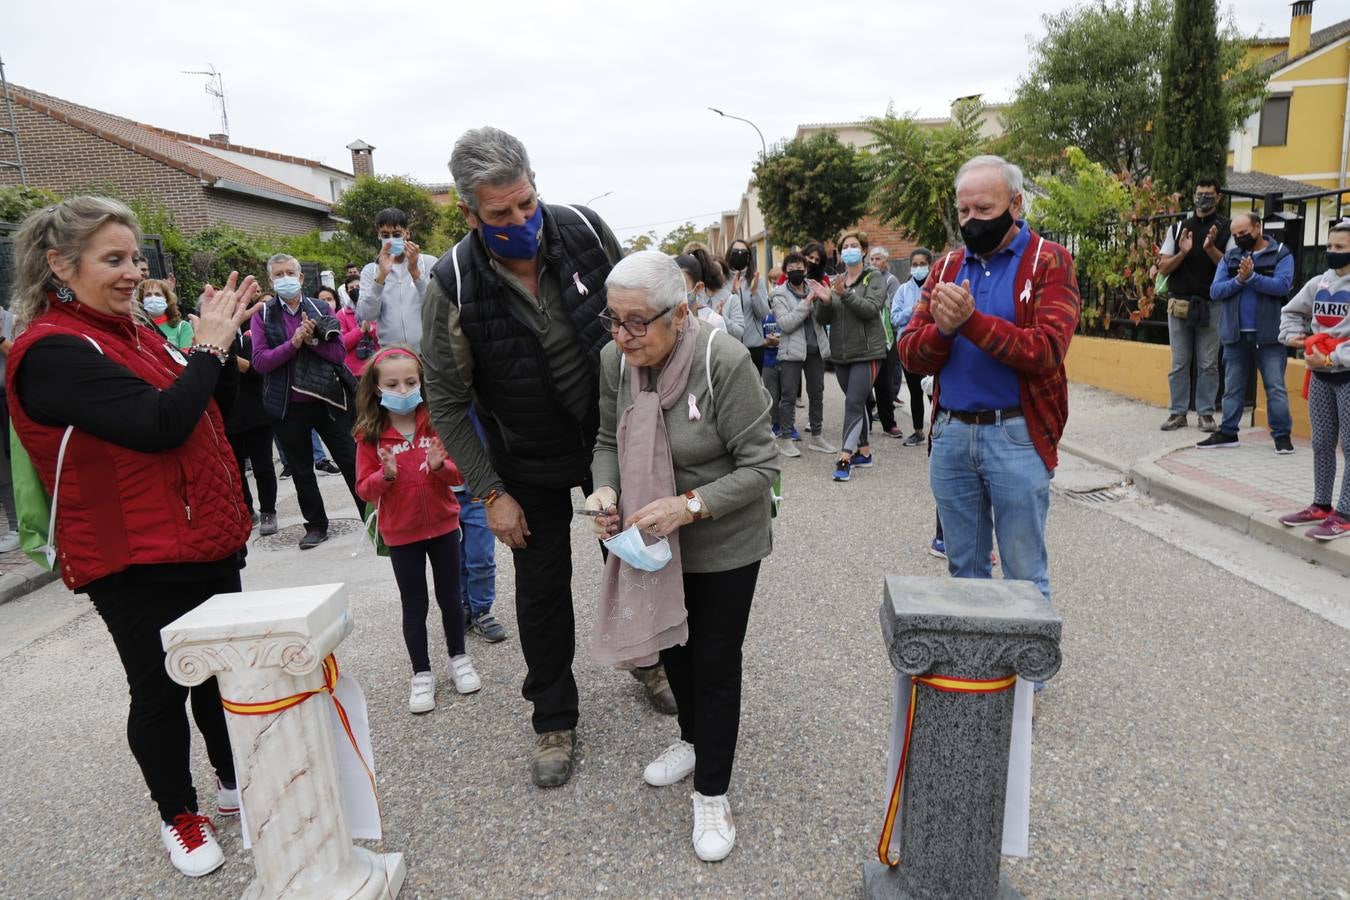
(313, 538)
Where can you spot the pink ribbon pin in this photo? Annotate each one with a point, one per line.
(694, 414)
(581, 288)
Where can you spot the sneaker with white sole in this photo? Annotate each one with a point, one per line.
(192, 846)
(463, 675)
(227, 799)
(422, 695)
(675, 764)
(714, 829)
(789, 449)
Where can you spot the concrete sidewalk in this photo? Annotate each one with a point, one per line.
(1247, 488)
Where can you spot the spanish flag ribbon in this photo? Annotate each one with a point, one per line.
(940, 683)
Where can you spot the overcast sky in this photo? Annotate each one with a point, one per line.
(606, 96)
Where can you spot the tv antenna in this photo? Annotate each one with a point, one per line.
(215, 86)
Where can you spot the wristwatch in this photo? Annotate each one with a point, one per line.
(694, 505)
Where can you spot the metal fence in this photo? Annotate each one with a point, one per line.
(152, 248)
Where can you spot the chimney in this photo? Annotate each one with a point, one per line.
(1300, 29)
(363, 160)
(222, 138)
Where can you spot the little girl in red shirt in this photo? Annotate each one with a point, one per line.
(402, 468)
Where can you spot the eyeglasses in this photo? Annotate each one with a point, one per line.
(636, 327)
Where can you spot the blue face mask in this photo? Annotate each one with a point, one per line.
(851, 256)
(401, 404)
(155, 306)
(919, 273)
(287, 287)
(395, 246)
(631, 548)
(515, 241)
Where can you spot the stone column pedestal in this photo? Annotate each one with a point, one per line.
(264, 646)
(956, 778)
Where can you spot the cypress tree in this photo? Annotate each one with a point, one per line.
(1190, 137)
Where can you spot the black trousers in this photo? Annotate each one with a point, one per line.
(705, 673)
(255, 446)
(881, 388)
(135, 607)
(915, 383)
(410, 571)
(544, 614)
(335, 427)
(757, 357)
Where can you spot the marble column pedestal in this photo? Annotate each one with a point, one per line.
(956, 779)
(265, 646)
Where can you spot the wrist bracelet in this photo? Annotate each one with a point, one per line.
(212, 349)
(491, 498)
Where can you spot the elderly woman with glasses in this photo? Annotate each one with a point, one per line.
(684, 456)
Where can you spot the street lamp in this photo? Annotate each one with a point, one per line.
(764, 154)
(598, 197)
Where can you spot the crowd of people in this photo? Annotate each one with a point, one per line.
(464, 399)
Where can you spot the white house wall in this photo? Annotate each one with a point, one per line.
(315, 181)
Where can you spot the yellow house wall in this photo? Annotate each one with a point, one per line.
(1140, 371)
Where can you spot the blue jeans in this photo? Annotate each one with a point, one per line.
(478, 559)
(987, 480)
(1271, 360)
(1200, 343)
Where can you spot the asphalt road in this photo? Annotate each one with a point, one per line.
(1193, 745)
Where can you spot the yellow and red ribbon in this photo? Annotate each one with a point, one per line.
(941, 683)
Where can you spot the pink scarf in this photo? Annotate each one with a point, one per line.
(641, 613)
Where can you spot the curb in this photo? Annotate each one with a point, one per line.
(25, 580)
(1094, 456)
(1246, 518)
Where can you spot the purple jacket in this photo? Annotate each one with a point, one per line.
(268, 359)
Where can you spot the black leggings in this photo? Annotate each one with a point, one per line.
(255, 446)
(410, 571)
(915, 384)
(135, 608)
(705, 673)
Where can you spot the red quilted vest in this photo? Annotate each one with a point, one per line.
(118, 507)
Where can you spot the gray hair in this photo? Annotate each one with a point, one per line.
(66, 228)
(277, 258)
(488, 156)
(880, 251)
(1011, 173)
(653, 274)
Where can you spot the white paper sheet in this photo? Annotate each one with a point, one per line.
(358, 799)
(1017, 801)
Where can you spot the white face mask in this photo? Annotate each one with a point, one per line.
(631, 548)
(155, 306)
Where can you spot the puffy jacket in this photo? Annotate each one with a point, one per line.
(118, 507)
(793, 315)
(353, 330)
(1268, 288)
(419, 504)
(854, 317)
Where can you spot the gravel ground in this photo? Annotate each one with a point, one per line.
(1193, 745)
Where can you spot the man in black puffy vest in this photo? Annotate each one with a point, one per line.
(510, 325)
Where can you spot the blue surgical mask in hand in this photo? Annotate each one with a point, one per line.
(401, 404)
(155, 306)
(287, 287)
(396, 246)
(631, 548)
(851, 256)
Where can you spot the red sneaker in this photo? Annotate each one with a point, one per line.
(1332, 527)
(1305, 516)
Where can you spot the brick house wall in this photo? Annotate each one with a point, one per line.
(257, 216)
(64, 159)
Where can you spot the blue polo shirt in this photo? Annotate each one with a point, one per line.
(972, 380)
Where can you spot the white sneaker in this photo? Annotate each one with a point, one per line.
(191, 842)
(422, 697)
(714, 830)
(818, 444)
(463, 675)
(227, 800)
(788, 448)
(9, 541)
(673, 765)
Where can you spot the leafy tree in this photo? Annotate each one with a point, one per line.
(17, 202)
(680, 235)
(372, 193)
(811, 189)
(914, 170)
(1191, 137)
(1095, 83)
(639, 242)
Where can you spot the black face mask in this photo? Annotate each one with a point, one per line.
(738, 259)
(1204, 204)
(983, 235)
(353, 293)
(815, 270)
(1245, 242)
(1338, 260)
(797, 277)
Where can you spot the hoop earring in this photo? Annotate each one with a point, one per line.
(65, 294)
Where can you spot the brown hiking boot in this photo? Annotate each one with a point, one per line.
(657, 686)
(551, 763)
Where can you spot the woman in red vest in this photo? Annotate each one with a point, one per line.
(124, 430)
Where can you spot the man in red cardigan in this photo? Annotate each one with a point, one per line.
(993, 326)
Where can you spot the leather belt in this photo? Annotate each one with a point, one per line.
(986, 416)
